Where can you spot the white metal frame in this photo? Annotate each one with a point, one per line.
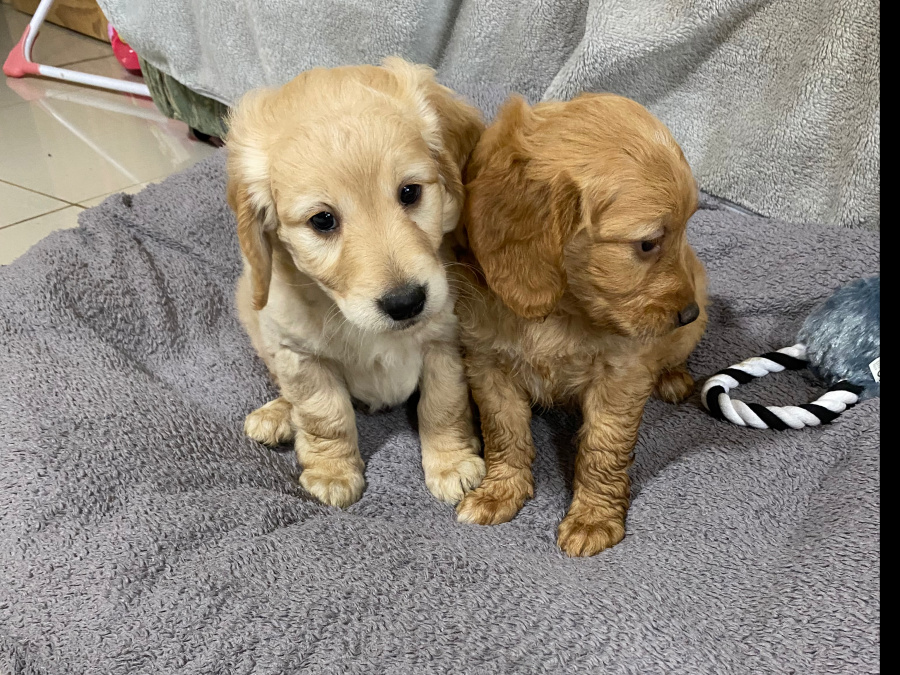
(19, 62)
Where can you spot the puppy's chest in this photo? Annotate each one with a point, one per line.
(380, 370)
(551, 376)
(549, 383)
(383, 372)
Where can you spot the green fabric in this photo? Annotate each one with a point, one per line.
(178, 102)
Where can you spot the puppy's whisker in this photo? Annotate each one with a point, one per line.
(332, 313)
(454, 263)
(466, 297)
(329, 315)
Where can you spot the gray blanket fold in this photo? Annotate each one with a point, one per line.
(140, 532)
(775, 103)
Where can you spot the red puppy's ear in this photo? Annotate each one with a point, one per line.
(518, 225)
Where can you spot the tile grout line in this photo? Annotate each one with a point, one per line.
(42, 194)
(47, 213)
(93, 58)
(120, 190)
(80, 204)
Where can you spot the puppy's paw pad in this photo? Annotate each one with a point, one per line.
(582, 537)
(489, 505)
(269, 425)
(451, 478)
(339, 489)
(674, 386)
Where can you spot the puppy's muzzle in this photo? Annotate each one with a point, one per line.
(404, 303)
(689, 314)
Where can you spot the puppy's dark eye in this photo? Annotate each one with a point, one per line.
(323, 222)
(647, 247)
(409, 194)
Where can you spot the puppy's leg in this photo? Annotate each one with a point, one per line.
(508, 448)
(325, 440)
(450, 450)
(612, 408)
(271, 423)
(674, 384)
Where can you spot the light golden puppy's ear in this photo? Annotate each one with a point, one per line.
(248, 189)
(452, 126)
(255, 244)
(518, 225)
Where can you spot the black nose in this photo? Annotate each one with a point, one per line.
(404, 302)
(689, 314)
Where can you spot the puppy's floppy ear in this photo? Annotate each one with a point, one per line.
(248, 190)
(253, 238)
(517, 223)
(452, 127)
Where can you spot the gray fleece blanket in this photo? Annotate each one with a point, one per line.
(776, 103)
(141, 532)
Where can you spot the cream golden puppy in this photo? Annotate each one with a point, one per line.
(583, 290)
(344, 182)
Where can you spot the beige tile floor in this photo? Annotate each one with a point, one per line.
(65, 147)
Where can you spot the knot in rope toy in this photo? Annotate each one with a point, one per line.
(840, 342)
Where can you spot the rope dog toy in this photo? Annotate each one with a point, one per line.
(840, 342)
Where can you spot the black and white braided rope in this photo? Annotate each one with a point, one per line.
(823, 410)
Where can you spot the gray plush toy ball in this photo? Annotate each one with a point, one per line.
(843, 336)
(840, 342)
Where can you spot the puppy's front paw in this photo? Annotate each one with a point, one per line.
(335, 484)
(674, 385)
(494, 502)
(270, 424)
(450, 475)
(580, 535)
